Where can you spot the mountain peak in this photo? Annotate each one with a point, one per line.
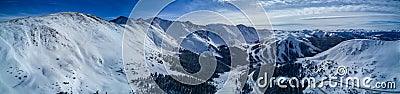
(120, 20)
(156, 20)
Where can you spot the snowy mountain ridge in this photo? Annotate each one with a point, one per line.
(63, 52)
(72, 52)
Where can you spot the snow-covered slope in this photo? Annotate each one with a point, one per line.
(76, 53)
(80, 53)
(63, 52)
(377, 59)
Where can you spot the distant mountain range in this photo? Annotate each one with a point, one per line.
(71, 52)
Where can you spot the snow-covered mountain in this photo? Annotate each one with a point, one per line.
(289, 45)
(362, 58)
(72, 52)
(62, 52)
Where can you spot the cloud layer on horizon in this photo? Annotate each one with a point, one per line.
(294, 14)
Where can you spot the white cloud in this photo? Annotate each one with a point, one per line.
(226, 0)
(310, 3)
(275, 2)
(213, 17)
(330, 9)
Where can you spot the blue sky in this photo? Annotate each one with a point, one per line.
(106, 9)
(282, 14)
